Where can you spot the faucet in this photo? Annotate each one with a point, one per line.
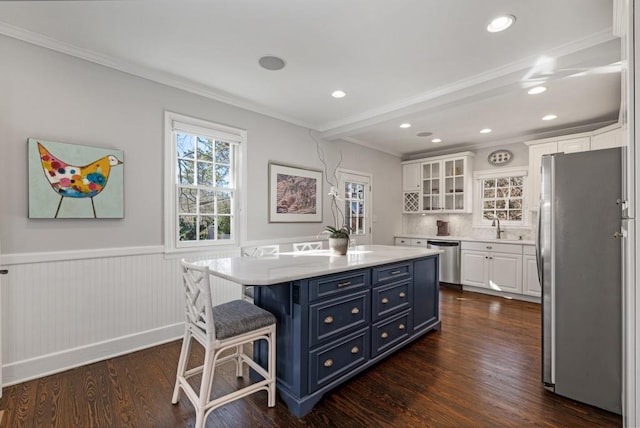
(498, 230)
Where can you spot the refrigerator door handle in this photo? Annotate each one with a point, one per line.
(538, 252)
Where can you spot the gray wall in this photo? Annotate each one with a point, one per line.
(56, 97)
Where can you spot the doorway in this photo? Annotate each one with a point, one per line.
(356, 190)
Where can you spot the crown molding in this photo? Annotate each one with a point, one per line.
(148, 73)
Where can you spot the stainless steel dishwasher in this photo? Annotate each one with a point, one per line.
(449, 260)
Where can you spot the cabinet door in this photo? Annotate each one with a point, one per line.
(474, 269)
(431, 186)
(505, 272)
(530, 282)
(535, 159)
(454, 184)
(574, 145)
(607, 140)
(411, 176)
(425, 293)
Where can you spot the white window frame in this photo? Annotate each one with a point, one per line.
(478, 176)
(172, 121)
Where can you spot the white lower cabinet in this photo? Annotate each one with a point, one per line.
(530, 282)
(494, 266)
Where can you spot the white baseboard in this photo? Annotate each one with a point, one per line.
(71, 358)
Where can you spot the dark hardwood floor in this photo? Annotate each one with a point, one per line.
(481, 370)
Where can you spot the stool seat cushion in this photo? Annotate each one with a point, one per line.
(239, 317)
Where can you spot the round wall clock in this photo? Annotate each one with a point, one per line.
(499, 157)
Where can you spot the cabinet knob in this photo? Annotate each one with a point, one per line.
(401, 327)
(328, 320)
(402, 294)
(328, 363)
(384, 300)
(355, 350)
(355, 311)
(384, 335)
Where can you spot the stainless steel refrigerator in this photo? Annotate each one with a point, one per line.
(579, 253)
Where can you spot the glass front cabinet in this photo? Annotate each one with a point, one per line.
(444, 184)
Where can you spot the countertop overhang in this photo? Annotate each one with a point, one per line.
(292, 266)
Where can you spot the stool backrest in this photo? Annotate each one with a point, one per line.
(307, 246)
(261, 251)
(199, 306)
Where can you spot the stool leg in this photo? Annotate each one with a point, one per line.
(271, 393)
(182, 364)
(239, 352)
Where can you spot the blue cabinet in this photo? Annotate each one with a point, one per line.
(331, 328)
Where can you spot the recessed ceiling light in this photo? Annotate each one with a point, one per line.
(405, 125)
(536, 90)
(501, 23)
(485, 130)
(550, 117)
(436, 140)
(272, 63)
(424, 134)
(338, 94)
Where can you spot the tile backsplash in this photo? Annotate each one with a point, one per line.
(460, 225)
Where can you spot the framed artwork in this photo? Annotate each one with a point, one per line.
(295, 194)
(74, 181)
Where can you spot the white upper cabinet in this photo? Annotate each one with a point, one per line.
(444, 184)
(607, 140)
(610, 136)
(574, 145)
(411, 177)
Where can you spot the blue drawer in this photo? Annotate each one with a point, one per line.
(337, 316)
(389, 332)
(391, 298)
(338, 358)
(339, 283)
(395, 272)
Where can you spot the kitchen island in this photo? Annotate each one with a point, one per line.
(337, 315)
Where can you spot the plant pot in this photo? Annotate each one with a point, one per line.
(339, 245)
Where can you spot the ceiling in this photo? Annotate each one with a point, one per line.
(430, 63)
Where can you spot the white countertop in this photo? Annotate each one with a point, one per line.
(466, 238)
(286, 267)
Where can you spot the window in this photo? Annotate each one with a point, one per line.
(501, 194)
(202, 182)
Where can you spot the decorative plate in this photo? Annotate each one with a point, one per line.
(499, 157)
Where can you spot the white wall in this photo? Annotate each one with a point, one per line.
(74, 308)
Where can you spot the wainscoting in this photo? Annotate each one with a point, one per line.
(63, 310)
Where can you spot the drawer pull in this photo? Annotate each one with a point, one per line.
(489, 247)
(355, 350)
(402, 294)
(395, 272)
(355, 311)
(401, 326)
(328, 320)
(328, 363)
(344, 284)
(384, 335)
(385, 300)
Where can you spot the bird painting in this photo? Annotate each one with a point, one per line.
(71, 181)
